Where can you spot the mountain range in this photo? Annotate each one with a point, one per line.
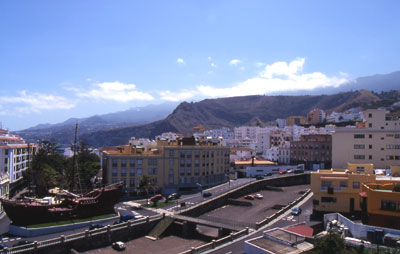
(117, 128)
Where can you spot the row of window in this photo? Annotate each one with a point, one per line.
(358, 136)
(388, 157)
(356, 184)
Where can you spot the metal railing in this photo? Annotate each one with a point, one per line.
(69, 238)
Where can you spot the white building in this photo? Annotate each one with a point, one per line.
(15, 156)
(239, 153)
(142, 142)
(170, 136)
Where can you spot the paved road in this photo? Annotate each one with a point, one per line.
(238, 247)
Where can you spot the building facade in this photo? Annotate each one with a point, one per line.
(315, 151)
(316, 116)
(171, 166)
(376, 141)
(295, 120)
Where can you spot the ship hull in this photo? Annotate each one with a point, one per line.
(99, 202)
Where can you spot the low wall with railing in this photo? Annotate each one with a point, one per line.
(215, 243)
(31, 232)
(90, 239)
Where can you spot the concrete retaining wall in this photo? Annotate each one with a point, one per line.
(30, 232)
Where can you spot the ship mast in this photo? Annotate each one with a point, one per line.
(75, 173)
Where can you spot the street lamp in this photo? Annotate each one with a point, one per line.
(201, 188)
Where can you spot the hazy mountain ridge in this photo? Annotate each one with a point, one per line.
(63, 132)
(231, 112)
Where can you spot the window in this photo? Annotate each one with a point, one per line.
(343, 184)
(171, 153)
(388, 205)
(370, 125)
(370, 146)
(132, 163)
(315, 202)
(123, 163)
(370, 115)
(196, 171)
(132, 172)
(360, 170)
(389, 157)
(131, 182)
(140, 162)
(182, 171)
(370, 135)
(326, 183)
(123, 172)
(114, 172)
(139, 172)
(356, 185)
(359, 157)
(114, 163)
(188, 171)
(171, 162)
(359, 146)
(5, 151)
(359, 136)
(182, 154)
(171, 176)
(328, 200)
(370, 157)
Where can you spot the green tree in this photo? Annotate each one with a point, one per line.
(331, 243)
(144, 184)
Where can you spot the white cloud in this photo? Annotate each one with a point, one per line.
(115, 91)
(179, 96)
(213, 65)
(180, 61)
(209, 58)
(234, 62)
(260, 64)
(26, 103)
(277, 77)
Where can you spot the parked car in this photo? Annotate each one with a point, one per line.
(289, 171)
(258, 196)
(174, 196)
(95, 226)
(118, 245)
(268, 174)
(259, 177)
(125, 217)
(282, 172)
(23, 242)
(298, 171)
(250, 197)
(296, 211)
(207, 194)
(156, 198)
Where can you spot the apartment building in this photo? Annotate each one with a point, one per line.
(338, 190)
(376, 141)
(356, 189)
(316, 116)
(380, 204)
(295, 120)
(180, 165)
(315, 151)
(15, 156)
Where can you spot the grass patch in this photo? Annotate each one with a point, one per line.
(66, 222)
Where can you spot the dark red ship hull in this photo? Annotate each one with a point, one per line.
(99, 201)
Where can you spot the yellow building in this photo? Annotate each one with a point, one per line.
(338, 190)
(381, 204)
(171, 166)
(295, 120)
(354, 189)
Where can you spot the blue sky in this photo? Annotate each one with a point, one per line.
(62, 59)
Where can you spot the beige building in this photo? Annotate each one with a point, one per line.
(316, 116)
(376, 141)
(172, 166)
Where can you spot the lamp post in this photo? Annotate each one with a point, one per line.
(201, 188)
